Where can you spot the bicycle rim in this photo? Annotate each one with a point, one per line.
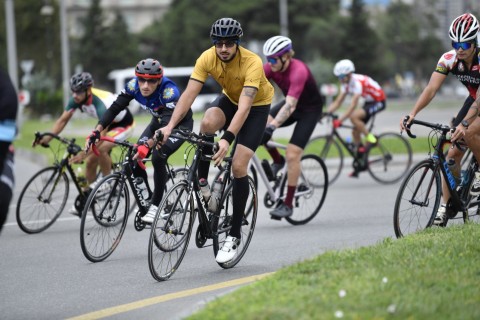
(417, 200)
(330, 151)
(224, 223)
(169, 236)
(390, 158)
(104, 218)
(311, 190)
(42, 200)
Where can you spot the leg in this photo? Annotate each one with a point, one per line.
(472, 138)
(213, 120)
(104, 159)
(357, 119)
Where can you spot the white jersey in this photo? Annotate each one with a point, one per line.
(361, 84)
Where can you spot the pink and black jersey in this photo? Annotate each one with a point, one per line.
(298, 82)
(449, 63)
(365, 86)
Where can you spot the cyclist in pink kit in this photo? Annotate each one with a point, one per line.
(302, 105)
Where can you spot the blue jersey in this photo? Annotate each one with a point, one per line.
(164, 97)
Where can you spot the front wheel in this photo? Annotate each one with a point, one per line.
(223, 223)
(312, 186)
(418, 199)
(104, 217)
(42, 200)
(389, 159)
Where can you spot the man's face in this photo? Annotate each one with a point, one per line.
(79, 96)
(147, 86)
(226, 49)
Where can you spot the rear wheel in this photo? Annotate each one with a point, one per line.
(42, 200)
(223, 223)
(104, 217)
(330, 151)
(418, 199)
(390, 158)
(311, 190)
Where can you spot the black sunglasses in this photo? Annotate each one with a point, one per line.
(150, 81)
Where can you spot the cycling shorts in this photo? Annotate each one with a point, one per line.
(250, 134)
(123, 129)
(305, 124)
(372, 108)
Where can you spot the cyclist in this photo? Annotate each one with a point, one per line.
(158, 95)
(463, 62)
(358, 86)
(8, 130)
(302, 105)
(240, 110)
(84, 99)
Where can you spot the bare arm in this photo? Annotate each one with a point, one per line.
(58, 126)
(337, 102)
(284, 113)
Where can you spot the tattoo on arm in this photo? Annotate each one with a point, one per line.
(284, 113)
(250, 92)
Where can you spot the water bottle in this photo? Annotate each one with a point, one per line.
(268, 170)
(81, 179)
(205, 188)
(142, 187)
(216, 193)
(350, 144)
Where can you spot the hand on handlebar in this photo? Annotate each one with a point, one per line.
(458, 133)
(92, 140)
(336, 123)
(222, 148)
(142, 152)
(405, 122)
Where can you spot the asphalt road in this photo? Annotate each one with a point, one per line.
(46, 276)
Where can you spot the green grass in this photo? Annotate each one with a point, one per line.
(430, 275)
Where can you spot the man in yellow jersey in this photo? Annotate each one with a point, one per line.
(241, 111)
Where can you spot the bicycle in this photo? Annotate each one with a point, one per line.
(387, 161)
(45, 195)
(311, 188)
(172, 227)
(105, 215)
(419, 195)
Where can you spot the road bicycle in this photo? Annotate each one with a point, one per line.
(45, 195)
(107, 208)
(173, 225)
(419, 196)
(387, 161)
(311, 190)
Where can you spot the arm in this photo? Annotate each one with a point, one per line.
(285, 111)
(58, 126)
(337, 102)
(117, 106)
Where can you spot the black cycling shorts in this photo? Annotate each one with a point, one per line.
(373, 107)
(305, 124)
(251, 133)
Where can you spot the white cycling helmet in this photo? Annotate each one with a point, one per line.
(464, 28)
(276, 46)
(344, 66)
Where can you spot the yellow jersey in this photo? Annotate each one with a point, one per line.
(245, 70)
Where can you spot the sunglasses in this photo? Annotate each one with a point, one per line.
(463, 45)
(342, 76)
(150, 81)
(227, 43)
(272, 60)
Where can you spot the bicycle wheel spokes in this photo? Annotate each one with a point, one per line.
(104, 218)
(171, 232)
(330, 151)
(42, 200)
(311, 190)
(224, 223)
(390, 158)
(418, 199)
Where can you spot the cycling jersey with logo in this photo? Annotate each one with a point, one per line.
(449, 63)
(298, 82)
(165, 96)
(94, 106)
(364, 85)
(245, 70)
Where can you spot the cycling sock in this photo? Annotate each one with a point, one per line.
(240, 196)
(289, 198)
(276, 156)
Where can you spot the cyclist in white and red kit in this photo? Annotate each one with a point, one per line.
(302, 105)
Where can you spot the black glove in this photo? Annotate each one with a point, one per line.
(93, 138)
(267, 135)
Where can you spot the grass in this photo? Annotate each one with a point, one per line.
(429, 275)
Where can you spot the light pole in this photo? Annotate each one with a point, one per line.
(283, 7)
(47, 12)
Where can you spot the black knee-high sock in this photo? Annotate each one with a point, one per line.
(240, 196)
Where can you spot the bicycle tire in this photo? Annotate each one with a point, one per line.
(169, 237)
(424, 182)
(34, 214)
(104, 217)
(330, 151)
(311, 190)
(222, 223)
(390, 158)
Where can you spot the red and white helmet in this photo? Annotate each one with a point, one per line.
(464, 28)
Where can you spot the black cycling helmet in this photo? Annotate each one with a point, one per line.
(226, 28)
(149, 68)
(81, 81)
